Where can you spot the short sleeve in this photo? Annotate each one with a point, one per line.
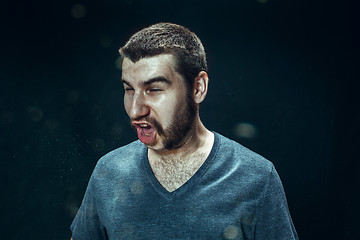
(87, 224)
(273, 218)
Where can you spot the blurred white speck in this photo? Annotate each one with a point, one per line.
(78, 11)
(245, 130)
(72, 209)
(35, 113)
(118, 63)
(105, 40)
(71, 206)
(136, 187)
(120, 196)
(231, 232)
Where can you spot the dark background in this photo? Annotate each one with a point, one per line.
(283, 83)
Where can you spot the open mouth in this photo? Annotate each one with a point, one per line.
(146, 132)
(147, 129)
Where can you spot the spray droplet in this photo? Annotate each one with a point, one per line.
(78, 11)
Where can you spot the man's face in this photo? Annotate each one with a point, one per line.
(157, 101)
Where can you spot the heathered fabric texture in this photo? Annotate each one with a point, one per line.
(236, 194)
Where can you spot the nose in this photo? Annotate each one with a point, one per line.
(138, 108)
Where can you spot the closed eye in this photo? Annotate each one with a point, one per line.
(126, 85)
(156, 90)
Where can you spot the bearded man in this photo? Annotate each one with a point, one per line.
(179, 180)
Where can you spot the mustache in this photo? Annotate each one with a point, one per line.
(152, 121)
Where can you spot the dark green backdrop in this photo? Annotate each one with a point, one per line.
(282, 82)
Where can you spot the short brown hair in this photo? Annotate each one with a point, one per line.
(169, 38)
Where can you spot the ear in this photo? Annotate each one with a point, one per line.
(201, 84)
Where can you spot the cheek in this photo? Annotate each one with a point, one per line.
(170, 110)
(126, 104)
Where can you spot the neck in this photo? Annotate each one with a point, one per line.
(175, 167)
(199, 139)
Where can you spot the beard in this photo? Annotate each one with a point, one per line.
(183, 122)
(174, 135)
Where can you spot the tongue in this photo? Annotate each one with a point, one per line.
(146, 135)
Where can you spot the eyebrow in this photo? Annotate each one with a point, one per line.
(151, 81)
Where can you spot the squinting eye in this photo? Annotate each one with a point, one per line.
(155, 90)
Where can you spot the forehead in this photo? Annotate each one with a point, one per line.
(149, 67)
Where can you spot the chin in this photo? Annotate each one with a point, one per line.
(156, 146)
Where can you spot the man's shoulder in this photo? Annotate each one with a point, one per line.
(237, 154)
(122, 157)
(129, 149)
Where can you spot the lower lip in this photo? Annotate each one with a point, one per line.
(146, 136)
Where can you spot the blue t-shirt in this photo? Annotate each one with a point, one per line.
(236, 194)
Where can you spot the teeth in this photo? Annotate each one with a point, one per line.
(144, 125)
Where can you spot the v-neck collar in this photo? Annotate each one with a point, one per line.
(188, 184)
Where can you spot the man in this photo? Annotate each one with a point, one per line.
(180, 180)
